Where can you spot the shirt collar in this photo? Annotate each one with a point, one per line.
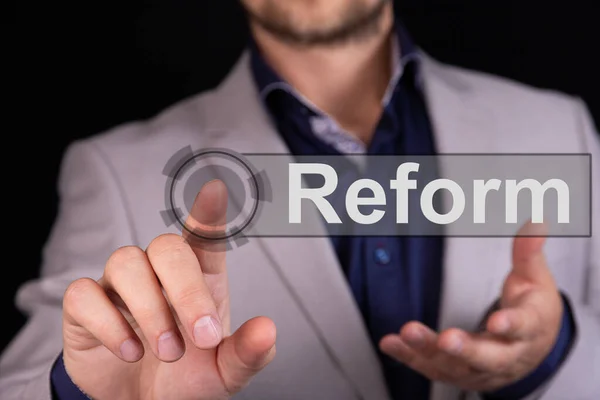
(404, 52)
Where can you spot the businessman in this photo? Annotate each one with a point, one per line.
(127, 309)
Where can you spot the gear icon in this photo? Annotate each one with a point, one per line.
(248, 189)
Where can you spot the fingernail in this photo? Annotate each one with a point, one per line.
(130, 350)
(207, 332)
(169, 346)
(264, 357)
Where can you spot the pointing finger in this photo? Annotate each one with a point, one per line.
(205, 227)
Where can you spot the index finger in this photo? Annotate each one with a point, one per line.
(205, 227)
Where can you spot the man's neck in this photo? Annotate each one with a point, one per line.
(346, 81)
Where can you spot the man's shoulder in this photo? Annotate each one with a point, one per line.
(185, 118)
(537, 118)
(190, 119)
(135, 153)
(509, 92)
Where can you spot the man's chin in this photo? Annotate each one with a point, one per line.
(361, 21)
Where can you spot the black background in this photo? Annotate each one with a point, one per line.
(73, 69)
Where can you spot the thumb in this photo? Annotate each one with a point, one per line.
(246, 352)
(529, 262)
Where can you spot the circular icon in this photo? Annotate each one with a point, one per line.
(187, 172)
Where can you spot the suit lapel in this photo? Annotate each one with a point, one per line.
(473, 267)
(307, 266)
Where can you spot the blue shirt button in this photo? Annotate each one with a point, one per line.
(382, 256)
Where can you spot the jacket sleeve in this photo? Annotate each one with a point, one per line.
(92, 222)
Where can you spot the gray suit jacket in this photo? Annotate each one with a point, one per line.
(111, 188)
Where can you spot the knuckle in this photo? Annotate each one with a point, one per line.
(192, 297)
(77, 291)
(169, 244)
(154, 321)
(125, 254)
(123, 259)
(152, 315)
(511, 290)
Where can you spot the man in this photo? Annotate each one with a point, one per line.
(355, 319)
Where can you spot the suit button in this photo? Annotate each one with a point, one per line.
(382, 256)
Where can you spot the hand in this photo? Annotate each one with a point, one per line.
(157, 324)
(518, 336)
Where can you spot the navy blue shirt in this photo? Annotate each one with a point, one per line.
(393, 279)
